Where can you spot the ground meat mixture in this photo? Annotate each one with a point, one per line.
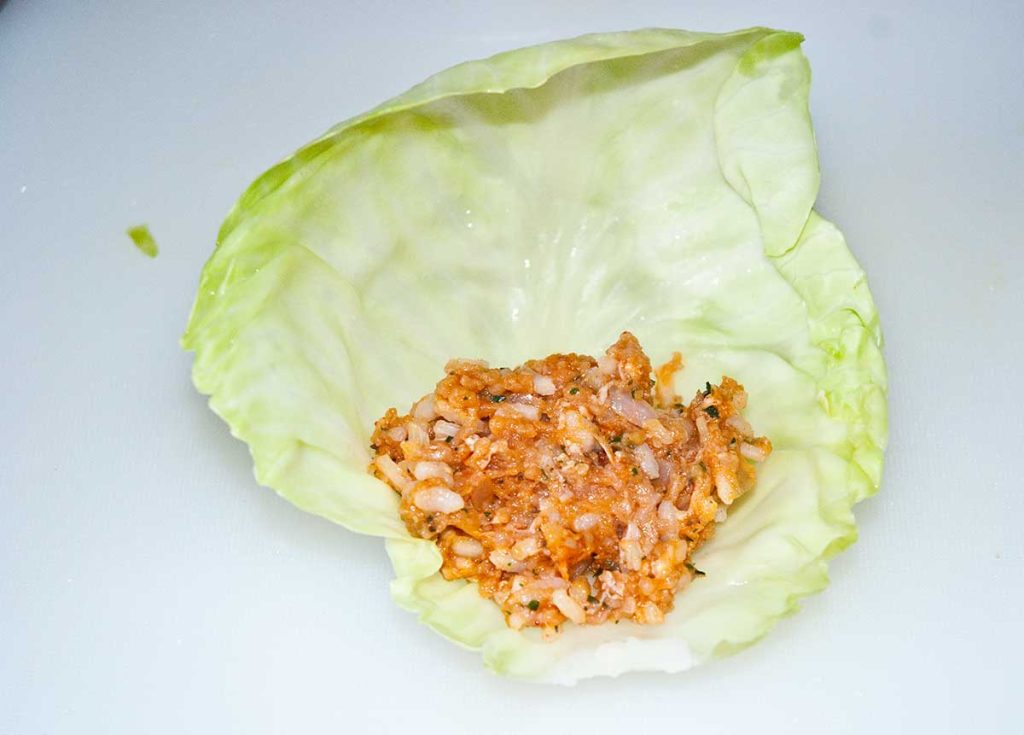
(569, 488)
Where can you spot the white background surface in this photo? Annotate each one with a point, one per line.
(147, 584)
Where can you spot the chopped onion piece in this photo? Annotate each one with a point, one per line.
(634, 411)
(543, 385)
(425, 410)
(607, 365)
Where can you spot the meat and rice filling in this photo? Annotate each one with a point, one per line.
(569, 488)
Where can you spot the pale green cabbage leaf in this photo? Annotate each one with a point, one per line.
(542, 201)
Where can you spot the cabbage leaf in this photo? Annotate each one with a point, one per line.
(541, 201)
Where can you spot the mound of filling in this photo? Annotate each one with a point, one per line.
(570, 488)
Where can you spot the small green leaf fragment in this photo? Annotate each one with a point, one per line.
(143, 240)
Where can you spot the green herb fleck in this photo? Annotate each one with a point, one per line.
(616, 439)
(707, 389)
(695, 570)
(448, 439)
(498, 399)
(634, 471)
(143, 240)
(533, 604)
(711, 411)
(591, 599)
(573, 391)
